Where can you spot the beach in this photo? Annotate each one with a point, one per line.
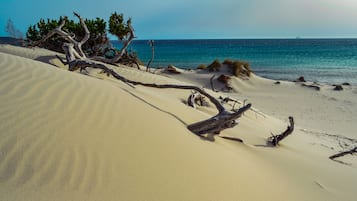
(86, 136)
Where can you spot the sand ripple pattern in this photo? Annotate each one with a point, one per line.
(41, 141)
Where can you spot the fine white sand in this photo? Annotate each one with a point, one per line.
(69, 136)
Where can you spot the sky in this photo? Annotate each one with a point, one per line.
(200, 19)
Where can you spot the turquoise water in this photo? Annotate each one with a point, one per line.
(322, 60)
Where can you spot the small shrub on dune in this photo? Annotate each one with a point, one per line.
(240, 68)
(202, 67)
(228, 62)
(214, 66)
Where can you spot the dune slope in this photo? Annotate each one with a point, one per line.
(67, 136)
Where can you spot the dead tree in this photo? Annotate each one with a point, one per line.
(352, 151)
(152, 45)
(74, 48)
(211, 81)
(129, 38)
(76, 59)
(275, 139)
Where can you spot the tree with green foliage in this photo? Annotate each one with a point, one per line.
(85, 41)
(97, 39)
(118, 27)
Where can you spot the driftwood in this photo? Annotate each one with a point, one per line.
(196, 99)
(211, 81)
(275, 139)
(76, 59)
(152, 45)
(232, 138)
(216, 124)
(228, 99)
(223, 120)
(352, 151)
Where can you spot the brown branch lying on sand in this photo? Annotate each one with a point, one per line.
(228, 99)
(232, 138)
(275, 139)
(352, 151)
(223, 120)
(76, 59)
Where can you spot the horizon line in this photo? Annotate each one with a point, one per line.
(247, 38)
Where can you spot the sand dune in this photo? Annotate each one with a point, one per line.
(68, 136)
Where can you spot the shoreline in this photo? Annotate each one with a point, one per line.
(327, 61)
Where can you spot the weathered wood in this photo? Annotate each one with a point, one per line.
(352, 151)
(75, 45)
(211, 81)
(196, 99)
(232, 138)
(76, 59)
(191, 99)
(216, 124)
(275, 139)
(78, 45)
(152, 45)
(122, 51)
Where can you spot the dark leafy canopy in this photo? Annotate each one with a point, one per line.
(98, 42)
(118, 27)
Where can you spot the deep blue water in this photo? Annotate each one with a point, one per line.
(323, 60)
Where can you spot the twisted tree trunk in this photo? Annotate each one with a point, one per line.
(122, 51)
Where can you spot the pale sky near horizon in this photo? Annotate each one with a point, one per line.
(177, 19)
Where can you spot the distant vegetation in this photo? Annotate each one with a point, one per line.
(236, 67)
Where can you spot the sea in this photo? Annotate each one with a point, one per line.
(332, 61)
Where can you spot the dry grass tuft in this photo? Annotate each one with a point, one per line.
(202, 67)
(240, 68)
(214, 66)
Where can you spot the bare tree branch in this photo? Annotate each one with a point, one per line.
(123, 49)
(275, 139)
(352, 151)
